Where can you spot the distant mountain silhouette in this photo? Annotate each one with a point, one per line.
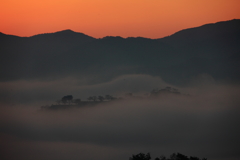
(209, 49)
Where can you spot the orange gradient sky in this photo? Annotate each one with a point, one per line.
(99, 18)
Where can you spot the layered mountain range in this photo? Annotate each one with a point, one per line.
(212, 49)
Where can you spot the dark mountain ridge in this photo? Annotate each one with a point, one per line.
(209, 49)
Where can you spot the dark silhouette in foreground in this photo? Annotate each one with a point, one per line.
(174, 156)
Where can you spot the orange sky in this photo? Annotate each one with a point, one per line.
(99, 18)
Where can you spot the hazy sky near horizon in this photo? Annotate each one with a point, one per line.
(99, 18)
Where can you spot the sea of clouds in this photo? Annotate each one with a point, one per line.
(202, 121)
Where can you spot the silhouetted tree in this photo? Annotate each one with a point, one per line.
(101, 98)
(169, 90)
(162, 158)
(92, 98)
(174, 156)
(141, 156)
(67, 98)
(194, 158)
(179, 156)
(108, 97)
(165, 90)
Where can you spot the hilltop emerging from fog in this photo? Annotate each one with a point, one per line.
(68, 101)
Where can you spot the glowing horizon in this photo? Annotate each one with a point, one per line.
(135, 18)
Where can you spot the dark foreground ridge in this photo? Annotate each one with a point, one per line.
(174, 156)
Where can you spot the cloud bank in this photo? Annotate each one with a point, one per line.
(204, 123)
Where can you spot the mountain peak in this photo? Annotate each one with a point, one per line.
(71, 33)
(66, 31)
(66, 34)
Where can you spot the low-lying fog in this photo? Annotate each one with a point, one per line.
(202, 121)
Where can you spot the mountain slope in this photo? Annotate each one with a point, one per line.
(209, 49)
